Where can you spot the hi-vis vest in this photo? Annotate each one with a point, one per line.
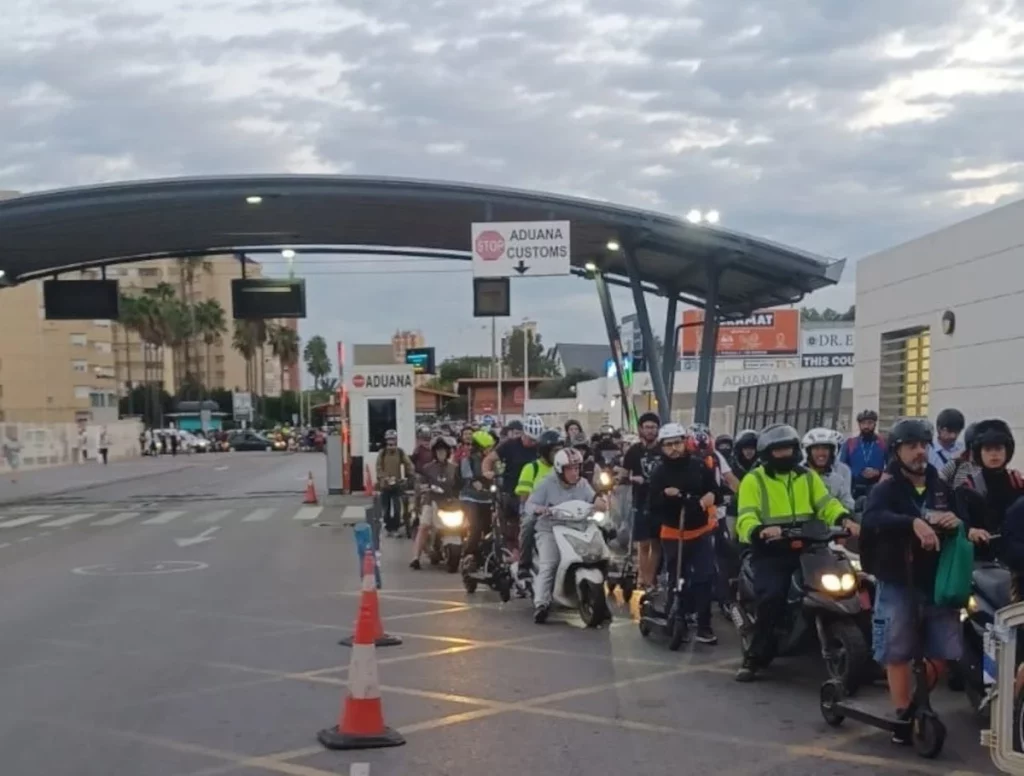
(785, 498)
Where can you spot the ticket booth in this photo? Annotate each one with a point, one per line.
(381, 398)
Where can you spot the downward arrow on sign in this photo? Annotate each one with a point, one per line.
(205, 536)
(520, 267)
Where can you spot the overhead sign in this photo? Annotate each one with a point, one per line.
(381, 381)
(421, 360)
(504, 249)
(765, 333)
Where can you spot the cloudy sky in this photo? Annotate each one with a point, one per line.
(838, 127)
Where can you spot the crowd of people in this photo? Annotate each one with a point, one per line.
(900, 494)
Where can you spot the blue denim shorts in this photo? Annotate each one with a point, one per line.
(645, 526)
(894, 635)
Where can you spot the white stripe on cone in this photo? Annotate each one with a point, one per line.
(363, 682)
(369, 583)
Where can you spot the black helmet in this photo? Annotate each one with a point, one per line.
(907, 430)
(547, 443)
(746, 438)
(951, 420)
(991, 432)
(777, 436)
(514, 425)
(867, 415)
(969, 434)
(724, 441)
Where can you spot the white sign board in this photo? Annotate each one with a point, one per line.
(827, 348)
(241, 405)
(520, 248)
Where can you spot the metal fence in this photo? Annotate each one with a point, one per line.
(803, 404)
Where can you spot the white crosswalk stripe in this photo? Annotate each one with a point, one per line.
(308, 513)
(163, 518)
(213, 517)
(69, 520)
(24, 521)
(258, 515)
(120, 517)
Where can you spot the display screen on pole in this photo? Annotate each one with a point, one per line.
(421, 360)
(264, 298)
(81, 300)
(491, 298)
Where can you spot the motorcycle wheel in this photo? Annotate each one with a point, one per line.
(504, 586)
(849, 658)
(470, 584)
(593, 605)
(452, 557)
(929, 735)
(831, 694)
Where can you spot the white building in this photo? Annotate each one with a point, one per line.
(940, 324)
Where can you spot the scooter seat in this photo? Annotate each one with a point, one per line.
(993, 584)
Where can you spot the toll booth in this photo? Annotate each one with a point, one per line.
(380, 398)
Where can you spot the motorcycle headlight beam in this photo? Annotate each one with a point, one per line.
(450, 519)
(831, 583)
(599, 517)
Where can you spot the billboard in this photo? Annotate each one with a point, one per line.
(827, 348)
(765, 333)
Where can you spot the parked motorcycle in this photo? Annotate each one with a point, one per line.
(446, 528)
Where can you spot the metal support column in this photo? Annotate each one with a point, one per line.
(644, 319)
(670, 346)
(708, 348)
(612, 328)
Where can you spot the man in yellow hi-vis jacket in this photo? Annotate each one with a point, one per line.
(779, 492)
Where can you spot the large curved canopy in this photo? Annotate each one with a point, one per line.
(49, 232)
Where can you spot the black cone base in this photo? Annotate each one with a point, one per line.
(333, 738)
(387, 640)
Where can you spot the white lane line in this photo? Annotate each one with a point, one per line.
(308, 513)
(359, 769)
(258, 515)
(353, 514)
(70, 519)
(213, 517)
(221, 468)
(163, 518)
(26, 538)
(120, 517)
(5, 544)
(24, 521)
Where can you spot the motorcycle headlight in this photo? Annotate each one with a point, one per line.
(451, 519)
(831, 583)
(972, 605)
(599, 517)
(605, 479)
(848, 582)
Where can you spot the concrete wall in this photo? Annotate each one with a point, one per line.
(59, 444)
(974, 269)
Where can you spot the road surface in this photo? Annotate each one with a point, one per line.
(185, 623)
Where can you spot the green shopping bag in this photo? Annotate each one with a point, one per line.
(953, 576)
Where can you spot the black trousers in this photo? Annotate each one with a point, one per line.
(772, 575)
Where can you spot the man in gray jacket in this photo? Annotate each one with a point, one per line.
(821, 448)
(564, 484)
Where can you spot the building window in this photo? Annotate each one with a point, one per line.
(79, 366)
(101, 346)
(97, 399)
(82, 391)
(101, 323)
(149, 272)
(904, 375)
(79, 340)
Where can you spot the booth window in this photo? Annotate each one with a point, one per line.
(904, 375)
(382, 416)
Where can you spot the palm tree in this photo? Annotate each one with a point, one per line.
(130, 320)
(190, 267)
(248, 339)
(284, 344)
(211, 325)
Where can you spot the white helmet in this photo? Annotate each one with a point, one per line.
(533, 426)
(822, 436)
(567, 456)
(390, 434)
(671, 431)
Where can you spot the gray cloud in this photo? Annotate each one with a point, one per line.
(837, 127)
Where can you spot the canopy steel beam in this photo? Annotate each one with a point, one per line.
(644, 319)
(614, 342)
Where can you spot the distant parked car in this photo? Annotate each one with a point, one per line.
(243, 441)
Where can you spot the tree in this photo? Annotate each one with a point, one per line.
(318, 363)
(248, 339)
(211, 326)
(828, 314)
(541, 361)
(452, 370)
(563, 387)
(284, 344)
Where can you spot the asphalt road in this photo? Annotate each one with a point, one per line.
(123, 653)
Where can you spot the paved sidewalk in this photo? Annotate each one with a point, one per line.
(64, 479)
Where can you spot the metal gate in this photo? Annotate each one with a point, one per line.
(803, 404)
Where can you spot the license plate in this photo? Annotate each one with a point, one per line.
(451, 541)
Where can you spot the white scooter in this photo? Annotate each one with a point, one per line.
(583, 558)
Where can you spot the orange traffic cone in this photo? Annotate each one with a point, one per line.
(361, 722)
(310, 491)
(369, 604)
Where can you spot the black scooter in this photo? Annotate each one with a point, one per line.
(990, 591)
(824, 606)
(496, 571)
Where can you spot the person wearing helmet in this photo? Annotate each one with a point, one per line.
(744, 452)
(947, 446)
(511, 456)
(476, 496)
(899, 524)
(465, 444)
(421, 453)
(564, 483)
(580, 443)
(988, 492)
(638, 463)
(821, 446)
(684, 486)
(393, 468)
(440, 472)
(724, 445)
(778, 492)
(548, 445)
(607, 449)
(865, 454)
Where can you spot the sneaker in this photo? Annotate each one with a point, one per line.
(706, 636)
(415, 565)
(747, 672)
(902, 737)
(540, 614)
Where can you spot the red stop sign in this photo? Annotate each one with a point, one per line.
(490, 245)
(358, 381)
